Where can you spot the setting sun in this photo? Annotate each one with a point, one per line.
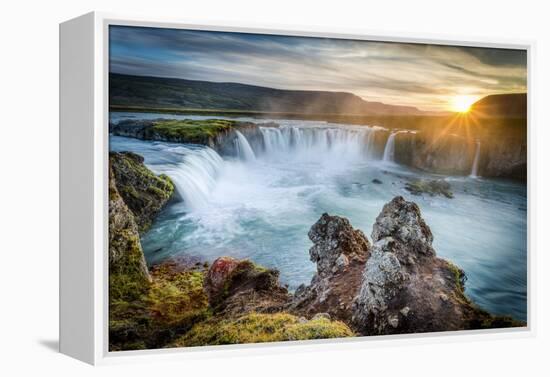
(462, 104)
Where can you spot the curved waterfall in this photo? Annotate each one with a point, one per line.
(195, 176)
(244, 150)
(316, 142)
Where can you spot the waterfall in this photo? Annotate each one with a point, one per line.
(195, 176)
(244, 150)
(318, 142)
(475, 164)
(389, 149)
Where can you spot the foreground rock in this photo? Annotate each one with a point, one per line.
(406, 288)
(235, 287)
(431, 187)
(143, 192)
(340, 253)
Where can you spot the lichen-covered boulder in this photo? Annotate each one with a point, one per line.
(405, 288)
(340, 252)
(143, 192)
(237, 286)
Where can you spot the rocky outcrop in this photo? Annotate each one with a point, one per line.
(235, 287)
(340, 252)
(126, 259)
(405, 287)
(143, 192)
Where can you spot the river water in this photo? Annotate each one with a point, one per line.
(261, 204)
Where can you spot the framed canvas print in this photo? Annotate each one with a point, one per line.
(224, 187)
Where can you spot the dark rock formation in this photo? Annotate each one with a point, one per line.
(143, 192)
(431, 187)
(377, 181)
(405, 288)
(340, 253)
(235, 287)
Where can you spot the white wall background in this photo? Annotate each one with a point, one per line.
(29, 183)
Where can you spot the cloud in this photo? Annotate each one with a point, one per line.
(412, 74)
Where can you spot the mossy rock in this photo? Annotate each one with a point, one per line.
(431, 187)
(191, 131)
(143, 192)
(151, 316)
(259, 328)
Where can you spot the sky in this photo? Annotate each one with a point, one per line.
(425, 76)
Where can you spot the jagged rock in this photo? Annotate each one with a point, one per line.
(431, 187)
(235, 287)
(335, 242)
(125, 254)
(405, 288)
(144, 193)
(340, 253)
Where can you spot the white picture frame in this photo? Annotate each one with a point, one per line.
(84, 195)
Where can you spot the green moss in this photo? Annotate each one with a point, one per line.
(258, 328)
(152, 315)
(458, 275)
(192, 131)
(143, 192)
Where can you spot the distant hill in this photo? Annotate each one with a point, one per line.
(502, 106)
(170, 93)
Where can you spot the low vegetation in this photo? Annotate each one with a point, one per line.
(259, 328)
(193, 131)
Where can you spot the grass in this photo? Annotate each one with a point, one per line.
(193, 131)
(259, 328)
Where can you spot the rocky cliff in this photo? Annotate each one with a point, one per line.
(500, 156)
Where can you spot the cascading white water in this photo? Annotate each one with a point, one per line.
(475, 164)
(307, 143)
(195, 176)
(389, 149)
(244, 150)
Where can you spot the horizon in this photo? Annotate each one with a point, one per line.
(428, 77)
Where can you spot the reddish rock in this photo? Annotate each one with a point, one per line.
(237, 287)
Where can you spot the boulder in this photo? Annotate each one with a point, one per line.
(144, 193)
(235, 287)
(340, 252)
